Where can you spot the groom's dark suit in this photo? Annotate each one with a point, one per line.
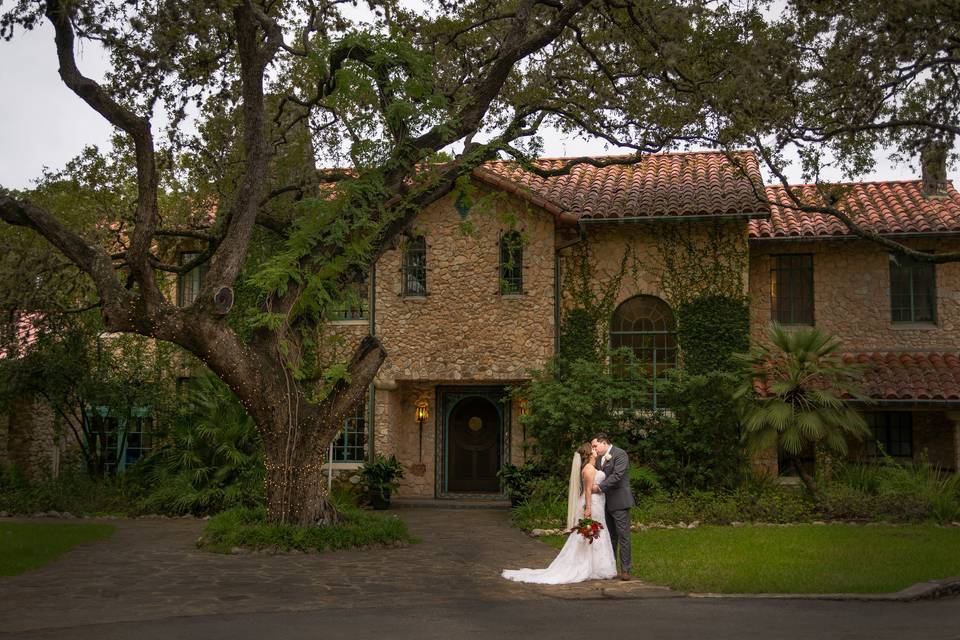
(616, 487)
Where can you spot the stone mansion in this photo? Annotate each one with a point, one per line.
(465, 313)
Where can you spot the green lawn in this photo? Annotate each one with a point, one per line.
(799, 559)
(25, 546)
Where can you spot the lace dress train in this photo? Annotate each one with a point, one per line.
(578, 560)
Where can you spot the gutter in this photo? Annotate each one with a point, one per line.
(908, 402)
(717, 216)
(907, 234)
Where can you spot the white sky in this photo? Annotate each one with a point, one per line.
(42, 123)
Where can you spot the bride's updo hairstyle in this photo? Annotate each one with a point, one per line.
(585, 451)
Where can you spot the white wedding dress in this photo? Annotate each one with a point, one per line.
(578, 560)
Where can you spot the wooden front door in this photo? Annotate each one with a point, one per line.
(474, 441)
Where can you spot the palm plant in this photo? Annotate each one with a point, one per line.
(795, 393)
(211, 459)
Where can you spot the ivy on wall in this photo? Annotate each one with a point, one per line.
(585, 318)
(707, 259)
(712, 328)
(703, 280)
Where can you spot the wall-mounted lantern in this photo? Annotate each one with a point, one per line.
(422, 414)
(523, 408)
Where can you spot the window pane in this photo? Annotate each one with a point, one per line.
(511, 263)
(351, 444)
(913, 295)
(415, 267)
(190, 283)
(791, 288)
(892, 433)
(645, 325)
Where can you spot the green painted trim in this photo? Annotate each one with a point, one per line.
(499, 396)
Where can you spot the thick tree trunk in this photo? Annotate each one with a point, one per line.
(807, 479)
(297, 433)
(297, 490)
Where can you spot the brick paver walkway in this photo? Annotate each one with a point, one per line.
(151, 569)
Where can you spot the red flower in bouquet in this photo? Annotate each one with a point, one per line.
(588, 528)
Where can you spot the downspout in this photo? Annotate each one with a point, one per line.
(371, 402)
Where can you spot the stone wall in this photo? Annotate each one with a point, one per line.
(32, 443)
(464, 329)
(608, 241)
(852, 294)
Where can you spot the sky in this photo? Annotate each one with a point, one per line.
(43, 124)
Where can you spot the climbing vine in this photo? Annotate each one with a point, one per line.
(703, 279)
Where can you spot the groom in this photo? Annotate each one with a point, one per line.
(615, 464)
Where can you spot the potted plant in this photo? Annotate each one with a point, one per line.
(381, 476)
(516, 481)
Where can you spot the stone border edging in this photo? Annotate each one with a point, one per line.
(930, 590)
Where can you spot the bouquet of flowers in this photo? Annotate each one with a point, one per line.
(588, 528)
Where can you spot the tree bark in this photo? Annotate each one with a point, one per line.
(805, 477)
(297, 488)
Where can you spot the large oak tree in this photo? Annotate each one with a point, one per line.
(404, 102)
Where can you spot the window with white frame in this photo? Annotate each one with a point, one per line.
(351, 443)
(189, 284)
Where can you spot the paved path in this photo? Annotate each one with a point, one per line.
(150, 569)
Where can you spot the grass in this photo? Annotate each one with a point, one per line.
(247, 529)
(798, 559)
(26, 546)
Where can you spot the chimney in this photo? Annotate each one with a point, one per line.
(933, 163)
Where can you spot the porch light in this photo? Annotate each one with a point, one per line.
(422, 411)
(422, 414)
(522, 407)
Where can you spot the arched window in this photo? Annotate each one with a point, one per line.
(415, 267)
(645, 325)
(511, 263)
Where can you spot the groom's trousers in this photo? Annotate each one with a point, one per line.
(618, 524)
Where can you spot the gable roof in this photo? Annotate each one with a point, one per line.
(885, 207)
(658, 186)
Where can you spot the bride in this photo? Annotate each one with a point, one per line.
(579, 559)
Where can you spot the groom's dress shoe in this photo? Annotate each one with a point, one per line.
(625, 576)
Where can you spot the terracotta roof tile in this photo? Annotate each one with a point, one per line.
(910, 376)
(884, 207)
(659, 185)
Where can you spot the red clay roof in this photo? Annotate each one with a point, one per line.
(659, 185)
(909, 376)
(884, 207)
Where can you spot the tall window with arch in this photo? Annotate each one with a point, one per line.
(646, 325)
(511, 263)
(415, 267)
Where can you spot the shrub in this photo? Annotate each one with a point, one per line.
(517, 480)
(903, 492)
(11, 477)
(247, 528)
(644, 481)
(73, 493)
(698, 446)
(210, 460)
(571, 401)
